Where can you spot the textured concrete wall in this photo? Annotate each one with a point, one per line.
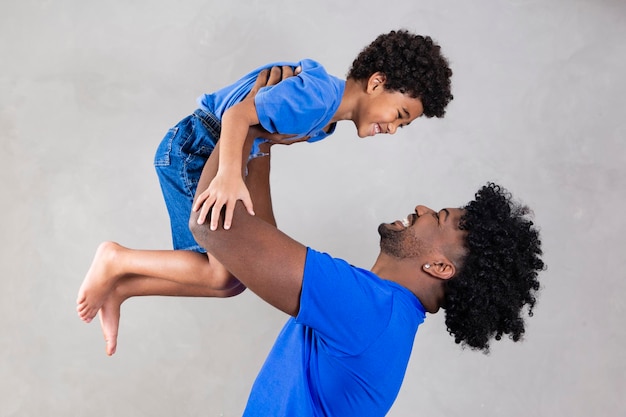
(87, 90)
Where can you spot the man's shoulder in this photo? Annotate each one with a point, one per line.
(325, 259)
(322, 263)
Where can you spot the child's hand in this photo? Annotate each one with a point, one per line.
(222, 191)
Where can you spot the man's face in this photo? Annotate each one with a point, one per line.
(423, 232)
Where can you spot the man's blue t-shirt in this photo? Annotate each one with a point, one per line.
(346, 352)
(302, 105)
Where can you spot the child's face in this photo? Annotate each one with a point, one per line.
(385, 111)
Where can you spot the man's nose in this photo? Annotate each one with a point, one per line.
(421, 210)
(391, 128)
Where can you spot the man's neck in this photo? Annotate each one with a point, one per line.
(409, 274)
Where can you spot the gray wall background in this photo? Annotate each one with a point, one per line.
(87, 90)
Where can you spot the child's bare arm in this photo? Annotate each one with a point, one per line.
(228, 186)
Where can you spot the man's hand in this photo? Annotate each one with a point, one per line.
(271, 76)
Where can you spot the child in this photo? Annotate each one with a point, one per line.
(394, 80)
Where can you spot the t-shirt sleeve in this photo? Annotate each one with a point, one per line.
(297, 105)
(346, 306)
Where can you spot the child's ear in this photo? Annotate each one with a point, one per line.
(376, 82)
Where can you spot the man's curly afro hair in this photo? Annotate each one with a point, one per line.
(412, 64)
(498, 275)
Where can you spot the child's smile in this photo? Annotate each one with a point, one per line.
(386, 111)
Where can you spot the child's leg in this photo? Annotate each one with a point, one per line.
(135, 286)
(118, 273)
(179, 167)
(114, 262)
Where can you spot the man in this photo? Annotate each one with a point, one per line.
(345, 349)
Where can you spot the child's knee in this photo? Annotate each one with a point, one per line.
(221, 279)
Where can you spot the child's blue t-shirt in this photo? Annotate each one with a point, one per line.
(302, 105)
(346, 352)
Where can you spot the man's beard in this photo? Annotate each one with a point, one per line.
(399, 243)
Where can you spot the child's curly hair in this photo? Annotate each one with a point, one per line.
(413, 65)
(498, 275)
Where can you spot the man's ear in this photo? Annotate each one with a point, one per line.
(440, 268)
(376, 82)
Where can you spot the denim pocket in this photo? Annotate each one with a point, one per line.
(163, 154)
(199, 142)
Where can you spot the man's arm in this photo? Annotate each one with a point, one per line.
(267, 261)
(264, 259)
(258, 182)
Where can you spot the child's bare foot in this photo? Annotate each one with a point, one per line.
(98, 282)
(110, 320)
